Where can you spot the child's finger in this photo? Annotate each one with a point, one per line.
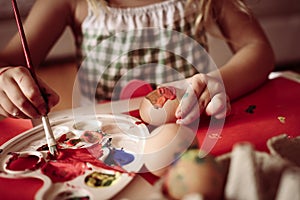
(30, 89)
(225, 112)
(219, 106)
(20, 101)
(191, 95)
(186, 103)
(8, 108)
(51, 95)
(190, 117)
(11, 81)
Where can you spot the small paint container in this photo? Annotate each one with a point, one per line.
(87, 125)
(23, 162)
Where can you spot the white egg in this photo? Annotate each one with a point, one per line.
(164, 145)
(160, 105)
(195, 174)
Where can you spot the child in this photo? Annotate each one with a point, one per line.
(92, 22)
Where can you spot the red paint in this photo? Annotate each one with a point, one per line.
(63, 170)
(139, 122)
(62, 138)
(71, 163)
(23, 162)
(68, 141)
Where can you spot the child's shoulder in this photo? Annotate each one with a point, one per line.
(62, 5)
(74, 10)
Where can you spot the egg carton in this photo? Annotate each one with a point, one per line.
(255, 175)
(258, 175)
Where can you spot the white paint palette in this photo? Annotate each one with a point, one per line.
(98, 156)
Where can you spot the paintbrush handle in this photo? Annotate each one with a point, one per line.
(22, 36)
(26, 50)
(51, 142)
(48, 131)
(47, 128)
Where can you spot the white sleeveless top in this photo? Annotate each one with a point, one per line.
(156, 43)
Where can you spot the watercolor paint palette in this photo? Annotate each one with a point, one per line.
(98, 156)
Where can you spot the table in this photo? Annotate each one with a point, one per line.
(268, 111)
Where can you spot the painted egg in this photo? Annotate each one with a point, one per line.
(165, 144)
(195, 173)
(160, 105)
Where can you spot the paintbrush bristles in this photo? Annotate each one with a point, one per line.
(49, 136)
(53, 151)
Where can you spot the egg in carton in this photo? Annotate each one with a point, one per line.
(249, 174)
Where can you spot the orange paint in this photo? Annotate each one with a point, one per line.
(159, 97)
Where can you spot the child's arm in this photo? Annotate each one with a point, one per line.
(19, 94)
(249, 67)
(253, 57)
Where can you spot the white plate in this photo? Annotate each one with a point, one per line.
(125, 133)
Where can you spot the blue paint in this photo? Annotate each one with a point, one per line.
(118, 157)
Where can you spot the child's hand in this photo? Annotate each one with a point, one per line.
(205, 94)
(20, 96)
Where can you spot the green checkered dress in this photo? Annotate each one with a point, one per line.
(155, 43)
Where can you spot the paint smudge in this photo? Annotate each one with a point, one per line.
(185, 95)
(250, 109)
(73, 142)
(66, 136)
(71, 163)
(100, 179)
(91, 136)
(68, 139)
(159, 97)
(281, 119)
(137, 123)
(43, 148)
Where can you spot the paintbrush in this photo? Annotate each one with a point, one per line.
(46, 124)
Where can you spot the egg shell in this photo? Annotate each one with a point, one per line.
(158, 116)
(193, 174)
(165, 144)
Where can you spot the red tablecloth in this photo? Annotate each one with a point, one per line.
(270, 110)
(275, 110)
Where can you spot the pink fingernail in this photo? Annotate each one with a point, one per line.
(179, 121)
(178, 114)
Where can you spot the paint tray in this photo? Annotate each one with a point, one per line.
(116, 143)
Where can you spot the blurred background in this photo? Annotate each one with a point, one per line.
(279, 18)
